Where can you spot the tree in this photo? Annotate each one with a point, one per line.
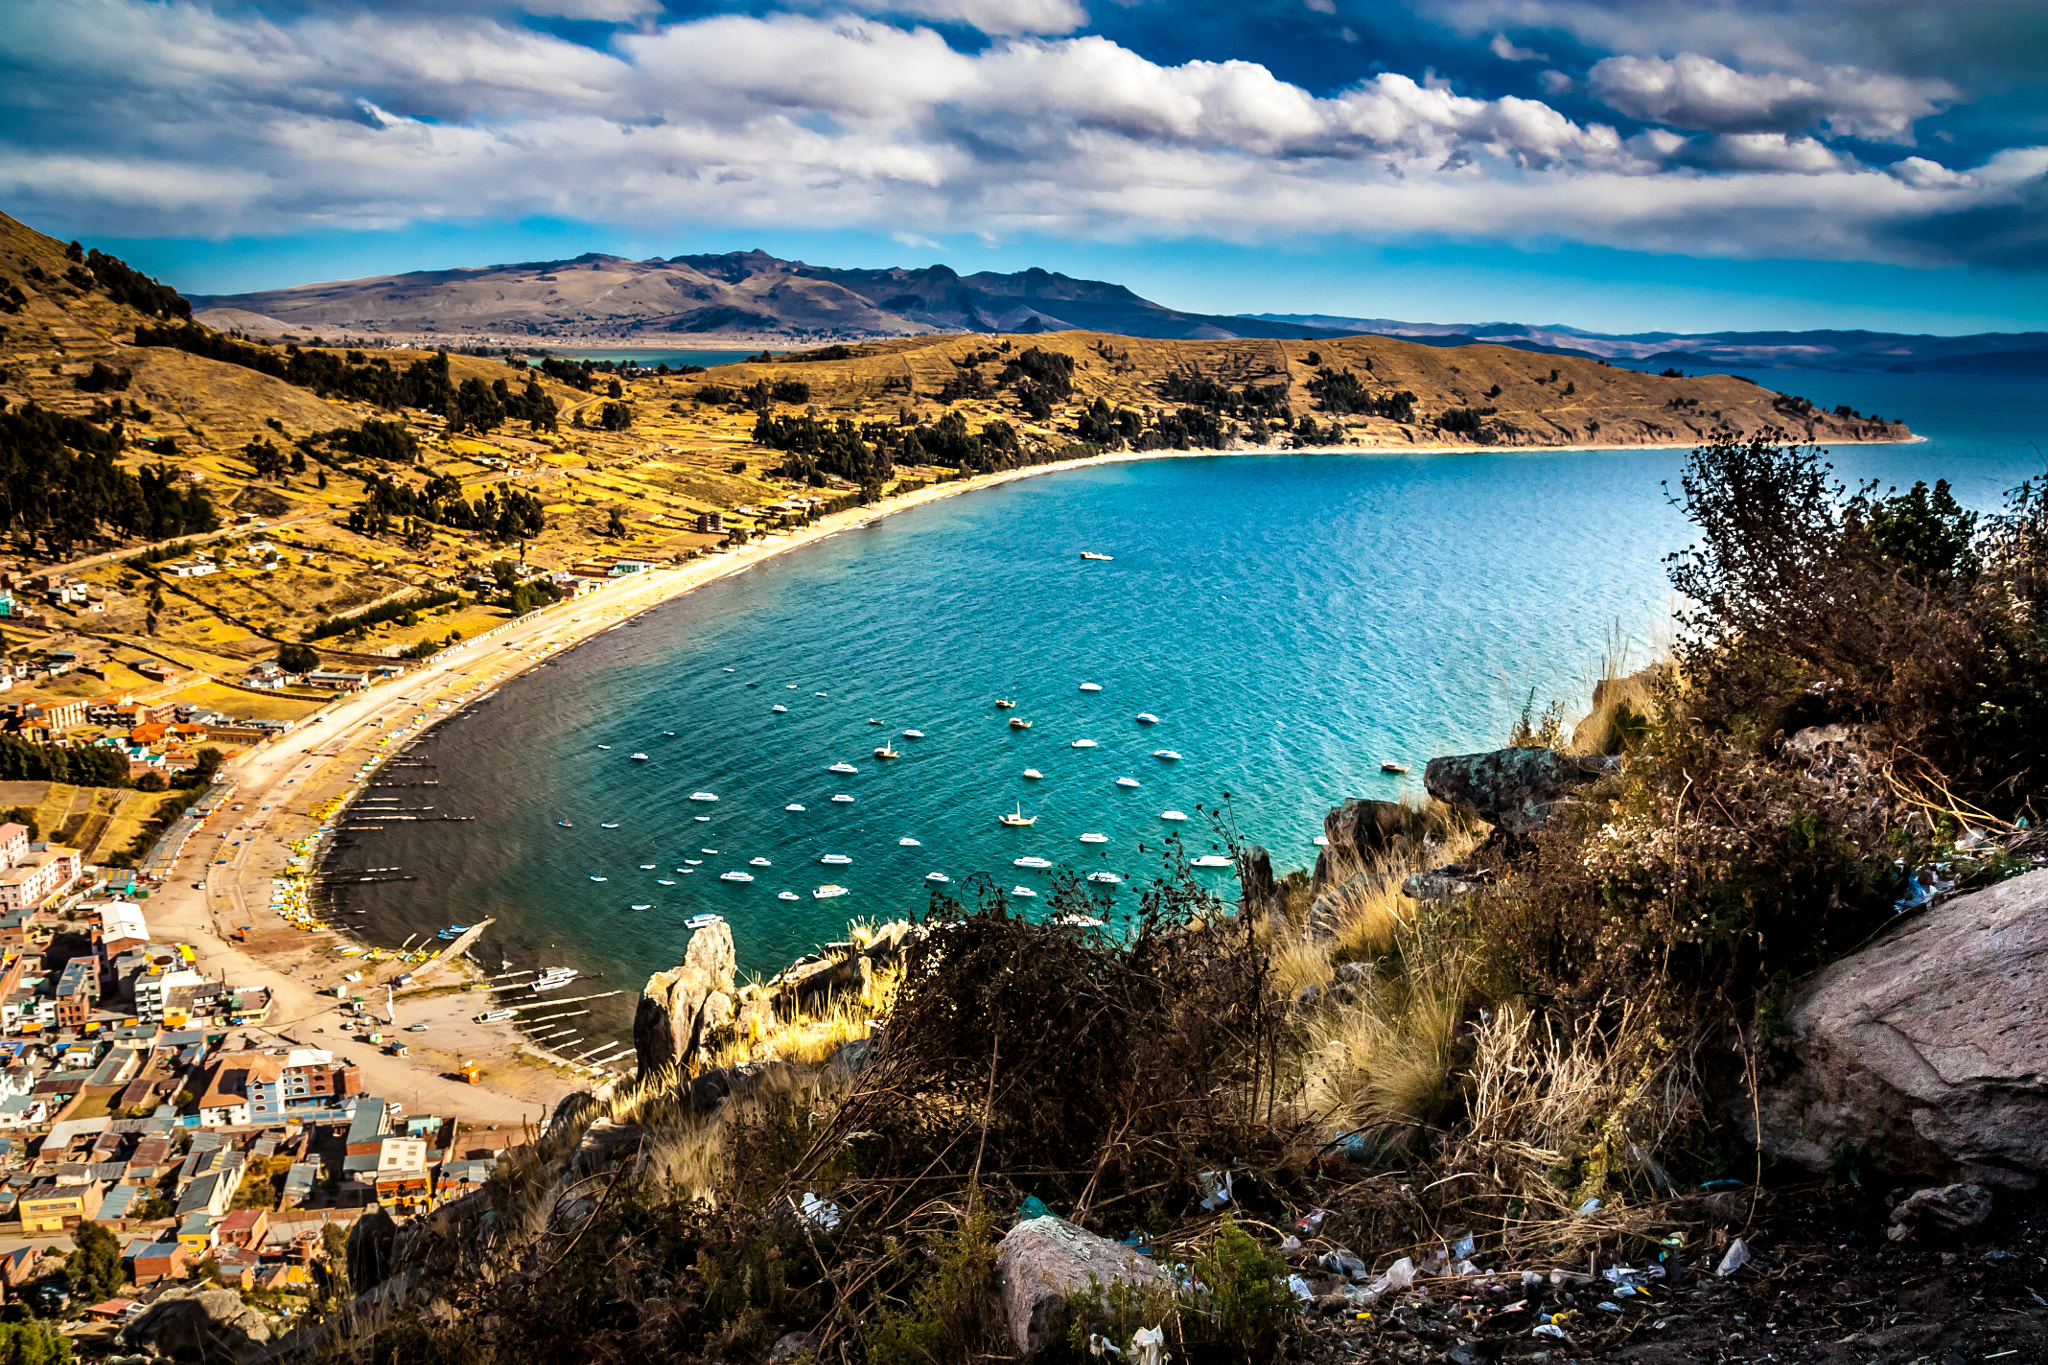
(31, 1343)
(206, 763)
(94, 1269)
(22, 815)
(297, 658)
(617, 525)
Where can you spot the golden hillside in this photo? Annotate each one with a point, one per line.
(858, 421)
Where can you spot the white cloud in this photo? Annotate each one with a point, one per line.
(996, 16)
(1508, 52)
(1694, 91)
(162, 119)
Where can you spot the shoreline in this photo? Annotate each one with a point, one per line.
(348, 741)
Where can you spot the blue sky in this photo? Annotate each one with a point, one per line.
(1684, 166)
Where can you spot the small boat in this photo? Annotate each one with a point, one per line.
(703, 921)
(886, 752)
(785, 895)
(1127, 781)
(1167, 755)
(565, 824)
(668, 734)
(790, 686)
(779, 709)
(1077, 921)
(793, 806)
(1017, 819)
(873, 721)
(686, 871)
(1019, 724)
(643, 907)
(828, 891)
(913, 734)
(639, 758)
(692, 862)
(1005, 703)
(1387, 765)
(1024, 893)
(835, 860)
(702, 819)
(817, 694)
(703, 796)
(937, 877)
(1211, 860)
(1084, 744)
(843, 799)
(712, 851)
(1034, 862)
(1091, 687)
(759, 862)
(735, 876)
(609, 824)
(908, 843)
(600, 879)
(1147, 718)
(842, 768)
(1090, 554)
(604, 746)
(496, 1016)
(728, 670)
(1033, 773)
(647, 867)
(665, 881)
(1095, 838)
(1173, 815)
(1106, 878)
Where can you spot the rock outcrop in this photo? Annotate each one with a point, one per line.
(1042, 1260)
(1361, 831)
(1928, 1048)
(198, 1323)
(1514, 790)
(1258, 889)
(668, 1023)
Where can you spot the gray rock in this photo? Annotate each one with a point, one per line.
(194, 1323)
(1929, 1048)
(788, 1348)
(1949, 1208)
(1355, 973)
(1308, 997)
(1515, 790)
(1042, 1260)
(1448, 882)
(1359, 831)
(1258, 890)
(670, 1019)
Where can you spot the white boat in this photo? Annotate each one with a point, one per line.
(693, 862)
(1019, 723)
(759, 862)
(609, 824)
(835, 860)
(937, 877)
(908, 843)
(703, 796)
(1322, 841)
(790, 686)
(600, 879)
(664, 881)
(1034, 862)
(708, 850)
(695, 922)
(1127, 781)
(728, 670)
(1173, 815)
(1095, 838)
(643, 907)
(873, 721)
(843, 799)
(735, 876)
(686, 871)
(1091, 687)
(828, 891)
(1387, 765)
(785, 895)
(565, 824)
(1033, 773)
(702, 819)
(1106, 878)
(1169, 755)
(604, 746)
(793, 806)
(647, 867)
(1211, 860)
(1024, 893)
(817, 694)
(913, 734)
(1084, 744)
(639, 758)
(842, 768)
(779, 709)
(1090, 554)
(1147, 718)
(1079, 921)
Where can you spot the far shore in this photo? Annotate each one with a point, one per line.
(280, 783)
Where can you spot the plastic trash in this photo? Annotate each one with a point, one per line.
(1099, 1346)
(1148, 1346)
(1609, 1306)
(1215, 1188)
(1547, 1329)
(1590, 1207)
(1354, 1145)
(1722, 1185)
(1032, 1207)
(1343, 1261)
(1462, 1249)
(1737, 1257)
(1531, 1280)
(1290, 1244)
(1310, 1221)
(1464, 1268)
(1298, 1287)
(1139, 1241)
(1397, 1277)
(819, 1213)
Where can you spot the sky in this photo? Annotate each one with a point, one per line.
(1668, 164)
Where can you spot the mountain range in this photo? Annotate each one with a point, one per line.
(756, 298)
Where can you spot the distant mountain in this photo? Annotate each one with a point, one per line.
(1892, 352)
(738, 294)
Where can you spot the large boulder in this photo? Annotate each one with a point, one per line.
(667, 1023)
(1042, 1260)
(1928, 1048)
(1360, 831)
(198, 1323)
(1259, 891)
(1514, 790)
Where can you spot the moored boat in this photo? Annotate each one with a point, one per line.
(1167, 755)
(1127, 781)
(695, 922)
(886, 752)
(828, 891)
(1017, 819)
(639, 758)
(835, 860)
(1095, 838)
(1084, 744)
(759, 862)
(1024, 892)
(1147, 718)
(1211, 860)
(703, 796)
(785, 895)
(1091, 687)
(1173, 815)
(937, 877)
(1388, 765)
(1018, 723)
(907, 842)
(1106, 878)
(842, 768)
(735, 876)
(843, 799)
(793, 806)
(1034, 862)
(913, 734)
(1033, 773)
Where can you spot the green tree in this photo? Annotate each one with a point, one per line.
(22, 815)
(31, 1343)
(297, 658)
(94, 1269)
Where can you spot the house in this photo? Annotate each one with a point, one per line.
(622, 567)
(155, 1262)
(191, 568)
(41, 875)
(172, 993)
(195, 1232)
(243, 1228)
(298, 1184)
(337, 680)
(306, 1084)
(52, 1207)
(276, 1277)
(23, 1111)
(457, 1178)
(710, 523)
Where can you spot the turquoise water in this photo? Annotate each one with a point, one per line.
(1292, 621)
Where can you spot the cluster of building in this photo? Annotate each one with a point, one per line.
(161, 737)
